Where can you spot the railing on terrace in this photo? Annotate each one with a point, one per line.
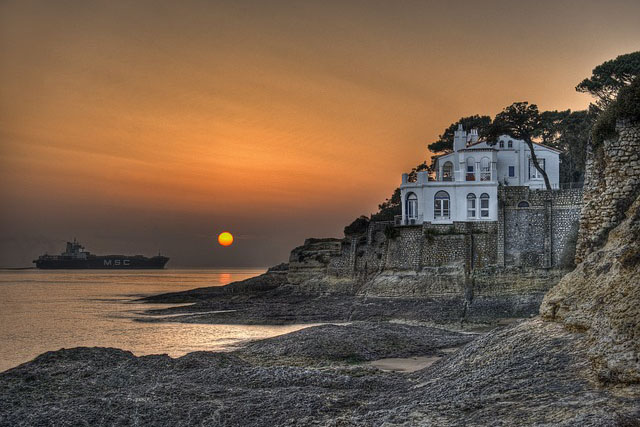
(400, 220)
(569, 185)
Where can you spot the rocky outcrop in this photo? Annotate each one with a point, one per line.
(534, 373)
(309, 262)
(602, 295)
(274, 278)
(612, 183)
(353, 343)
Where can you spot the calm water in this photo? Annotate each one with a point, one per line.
(48, 310)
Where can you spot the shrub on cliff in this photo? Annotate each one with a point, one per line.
(358, 226)
(388, 209)
(391, 232)
(625, 107)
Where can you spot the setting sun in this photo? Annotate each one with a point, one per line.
(225, 238)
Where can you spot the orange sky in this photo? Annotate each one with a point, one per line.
(138, 126)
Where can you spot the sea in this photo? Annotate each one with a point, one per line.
(45, 310)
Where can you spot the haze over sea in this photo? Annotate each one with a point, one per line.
(44, 310)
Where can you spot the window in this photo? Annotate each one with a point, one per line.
(523, 204)
(485, 169)
(533, 172)
(471, 168)
(441, 205)
(501, 144)
(412, 206)
(484, 205)
(512, 171)
(510, 144)
(447, 171)
(471, 205)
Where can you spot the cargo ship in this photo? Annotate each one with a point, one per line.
(75, 257)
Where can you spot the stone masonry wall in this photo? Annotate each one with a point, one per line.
(405, 251)
(467, 261)
(538, 235)
(611, 185)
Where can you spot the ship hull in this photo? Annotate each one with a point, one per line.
(109, 262)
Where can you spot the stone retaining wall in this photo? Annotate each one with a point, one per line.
(528, 238)
(611, 185)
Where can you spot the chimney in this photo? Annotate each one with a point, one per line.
(459, 139)
(473, 136)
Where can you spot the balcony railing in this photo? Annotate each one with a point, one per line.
(400, 220)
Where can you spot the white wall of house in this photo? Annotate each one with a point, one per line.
(476, 169)
(517, 156)
(458, 201)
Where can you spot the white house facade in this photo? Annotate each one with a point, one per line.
(467, 179)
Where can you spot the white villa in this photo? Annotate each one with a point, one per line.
(466, 180)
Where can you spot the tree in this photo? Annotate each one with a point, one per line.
(551, 126)
(625, 106)
(575, 133)
(520, 120)
(445, 141)
(388, 209)
(568, 132)
(609, 77)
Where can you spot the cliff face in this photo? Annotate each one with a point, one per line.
(308, 265)
(611, 185)
(602, 295)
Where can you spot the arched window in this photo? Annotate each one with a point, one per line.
(447, 171)
(510, 144)
(501, 144)
(441, 205)
(412, 206)
(484, 205)
(471, 168)
(471, 205)
(523, 204)
(485, 169)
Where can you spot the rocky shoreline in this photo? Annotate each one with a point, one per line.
(269, 299)
(531, 373)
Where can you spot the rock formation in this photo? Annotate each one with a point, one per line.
(602, 295)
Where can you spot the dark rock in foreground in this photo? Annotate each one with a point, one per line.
(353, 343)
(533, 373)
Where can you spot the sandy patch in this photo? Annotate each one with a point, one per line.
(401, 364)
(409, 364)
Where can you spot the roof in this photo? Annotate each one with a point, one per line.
(435, 157)
(478, 149)
(440, 155)
(534, 143)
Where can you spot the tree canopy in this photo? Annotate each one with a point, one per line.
(609, 77)
(445, 141)
(519, 120)
(625, 106)
(523, 121)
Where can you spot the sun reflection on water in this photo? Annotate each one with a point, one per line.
(42, 311)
